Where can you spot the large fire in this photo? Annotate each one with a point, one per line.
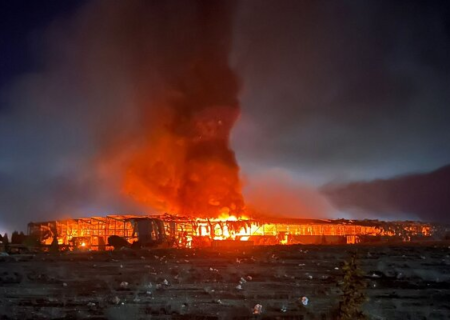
(183, 162)
(184, 232)
(178, 158)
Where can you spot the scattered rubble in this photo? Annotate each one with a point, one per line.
(69, 285)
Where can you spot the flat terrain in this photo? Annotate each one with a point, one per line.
(404, 282)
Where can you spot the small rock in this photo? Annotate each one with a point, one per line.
(239, 287)
(64, 284)
(124, 284)
(116, 300)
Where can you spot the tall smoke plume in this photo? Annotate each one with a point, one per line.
(130, 112)
(184, 163)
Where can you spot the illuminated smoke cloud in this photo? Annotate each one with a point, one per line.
(130, 112)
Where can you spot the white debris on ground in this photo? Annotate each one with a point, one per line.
(257, 309)
(305, 301)
(124, 284)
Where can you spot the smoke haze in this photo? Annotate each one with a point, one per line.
(131, 106)
(275, 193)
(421, 196)
(343, 90)
(130, 113)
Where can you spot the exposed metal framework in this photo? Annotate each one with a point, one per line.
(179, 231)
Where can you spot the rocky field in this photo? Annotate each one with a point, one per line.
(404, 282)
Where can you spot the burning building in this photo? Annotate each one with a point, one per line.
(184, 232)
(166, 147)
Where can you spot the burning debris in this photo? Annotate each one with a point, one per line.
(102, 233)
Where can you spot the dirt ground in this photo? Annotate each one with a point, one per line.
(404, 282)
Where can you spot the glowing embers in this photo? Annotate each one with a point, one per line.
(259, 232)
(226, 227)
(225, 230)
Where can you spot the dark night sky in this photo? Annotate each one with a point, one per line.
(20, 24)
(340, 94)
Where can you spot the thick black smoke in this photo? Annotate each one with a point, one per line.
(421, 195)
